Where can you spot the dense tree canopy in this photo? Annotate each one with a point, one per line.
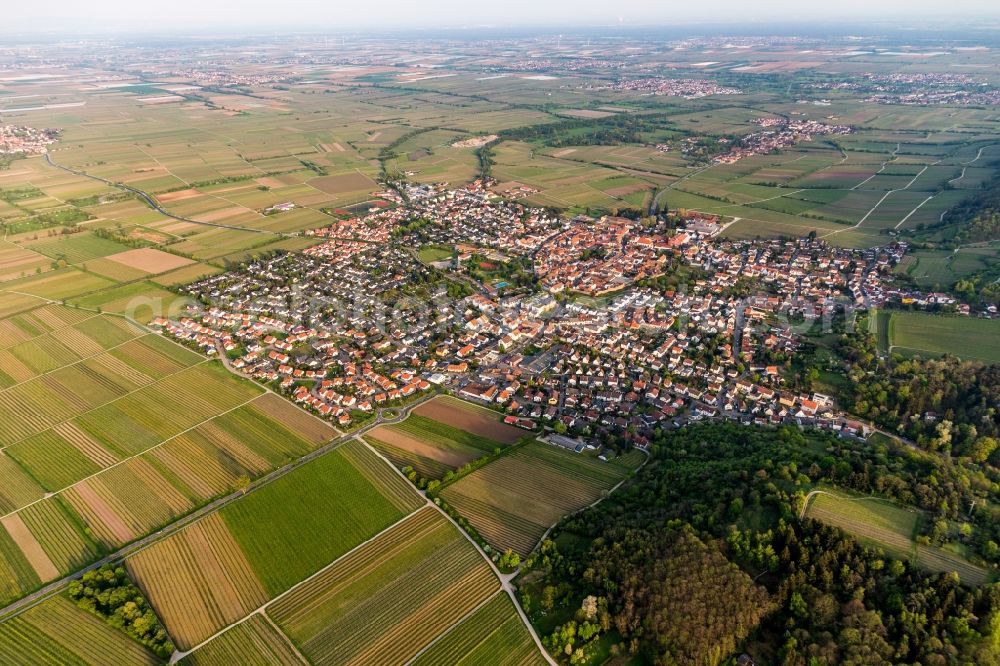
(708, 531)
(943, 404)
(978, 215)
(691, 604)
(110, 593)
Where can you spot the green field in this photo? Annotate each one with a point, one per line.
(916, 333)
(892, 528)
(387, 600)
(57, 632)
(431, 253)
(876, 521)
(286, 538)
(76, 248)
(878, 326)
(140, 300)
(59, 284)
(254, 642)
(222, 568)
(494, 635)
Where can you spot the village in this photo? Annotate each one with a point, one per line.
(686, 88)
(920, 88)
(778, 133)
(590, 340)
(23, 140)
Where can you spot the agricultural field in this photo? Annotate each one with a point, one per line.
(878, 326)
(255, 641)
(874, 520)
(57, 632)
(31, 324)
(847, 195)
(493, 634)
(417, 588)
(186, 275)
(892, 528)
(16, 261)
(75, 248)
(442, 164)
(87, 336)
(917, 333)
(108, 432)
(937, 269)
(470, 418)
(293, 543)
(199, 581)
(59, 284)
(253, 156)
(387, 600)
(225, 566)
(98, 496)
(429, 446)
(140, 300)
(19, 302)
(561, 183)
(127, 422)
(442, 435)
(513, 500)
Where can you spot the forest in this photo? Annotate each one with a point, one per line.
(945, 404)
(978, 217)
(613, 130)
(708, 534)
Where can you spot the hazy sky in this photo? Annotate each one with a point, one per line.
(199, 15)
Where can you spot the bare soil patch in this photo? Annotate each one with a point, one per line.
(142, 234)
(475, 142)
(222, 214)
(269, 182)
(180, 228)
(29, 545)
(628, 189)
(93, 505)
(179, 195)
(348, 182)
(150, 260)
(587, 113)
(477, 420)
(403, 441)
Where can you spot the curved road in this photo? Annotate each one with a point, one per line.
(155, 205)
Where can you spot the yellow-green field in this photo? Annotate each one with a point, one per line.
(928, 335)
(883, 524)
